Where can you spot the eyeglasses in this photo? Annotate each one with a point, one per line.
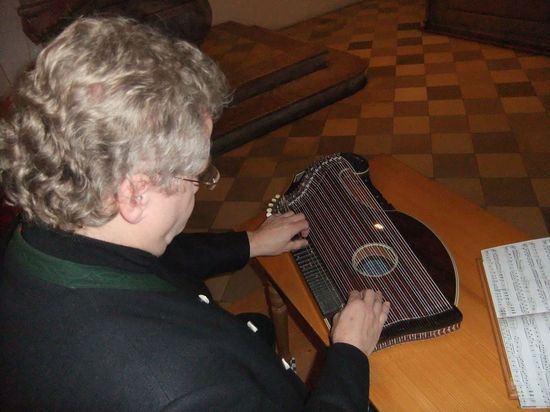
(209, 177)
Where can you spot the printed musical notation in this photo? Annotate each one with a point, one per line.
(519, 281)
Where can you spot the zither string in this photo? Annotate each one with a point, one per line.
(342, 213)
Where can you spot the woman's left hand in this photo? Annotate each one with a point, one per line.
(278, 234)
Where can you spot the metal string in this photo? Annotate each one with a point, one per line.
(342, 211)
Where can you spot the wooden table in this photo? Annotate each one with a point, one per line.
(459, 371)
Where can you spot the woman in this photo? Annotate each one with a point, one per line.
(102, 302)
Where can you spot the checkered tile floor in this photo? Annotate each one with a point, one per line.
(472, 116)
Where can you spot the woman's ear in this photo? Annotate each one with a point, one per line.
(130, 198)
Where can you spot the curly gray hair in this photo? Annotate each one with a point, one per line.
(109, 97)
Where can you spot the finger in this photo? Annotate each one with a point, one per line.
(297, 244)
(377, 306)
(385, 312)
(275, 217)
(354, 295)
(368, 297)
(335, 320)
(378, 298)
(295, 217)
(299, 227)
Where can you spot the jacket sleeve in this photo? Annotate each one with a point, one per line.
(206, 254)
(344, 381)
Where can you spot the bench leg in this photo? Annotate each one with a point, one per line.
(279, 316)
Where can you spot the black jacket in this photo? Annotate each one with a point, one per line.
(87, 325)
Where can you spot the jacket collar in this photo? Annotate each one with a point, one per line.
(77, 275)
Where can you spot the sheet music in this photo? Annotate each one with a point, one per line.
(519, 280)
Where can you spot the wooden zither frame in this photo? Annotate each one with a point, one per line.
(358, 240)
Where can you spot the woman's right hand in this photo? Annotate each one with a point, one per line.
(360, 322)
